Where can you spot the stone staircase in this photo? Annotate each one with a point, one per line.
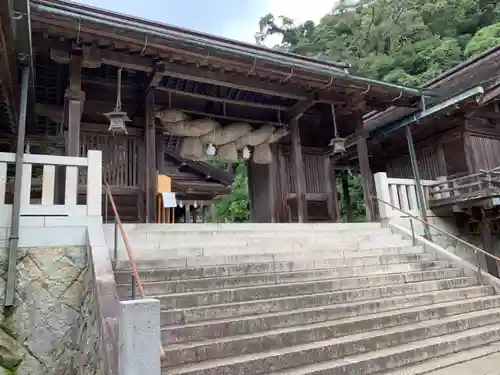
(317, 299)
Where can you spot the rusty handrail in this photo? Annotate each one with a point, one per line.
(473, 247)
(125, 242)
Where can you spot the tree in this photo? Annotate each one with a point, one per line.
(235, 207)
(401, 41)
(484, 39)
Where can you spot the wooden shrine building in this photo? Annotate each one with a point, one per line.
(456, 137)
(88, 64)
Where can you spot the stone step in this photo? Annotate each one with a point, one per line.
(194, 261)
(228, 310)
(287, 265)
(230, 247)
(197, 329)
(216, 256)
(348, 349)
(221, 347)
(211, 296)
(449, 363)
(256, 275)
(398, 356)
(255, 227)
(196, 285)
(148, 249)
(246, 239)
(253, 293)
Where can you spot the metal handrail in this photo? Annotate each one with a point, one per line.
(135, 274)
(473, 247)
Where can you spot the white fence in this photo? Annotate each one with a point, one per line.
(400, 192)
(34, 210)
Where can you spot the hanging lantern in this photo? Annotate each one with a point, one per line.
(117, 122)
(211, 149)
(117, 117)
(246, 153)
(337, 144)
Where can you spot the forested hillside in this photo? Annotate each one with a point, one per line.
(401, 41)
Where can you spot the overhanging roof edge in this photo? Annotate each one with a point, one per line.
(415, 118)
(113, 20)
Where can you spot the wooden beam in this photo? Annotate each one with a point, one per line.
(297, 110)
(208, 75)
(223, 100)
(150, 144)
(484, 113)
(300, 177)
(151, 83)
(156, 75)
(195, 73)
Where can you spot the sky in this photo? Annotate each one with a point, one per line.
(234, 19)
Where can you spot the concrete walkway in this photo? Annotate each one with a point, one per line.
(488, 365)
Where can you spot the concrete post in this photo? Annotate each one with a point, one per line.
(139, 337)
(382, 191)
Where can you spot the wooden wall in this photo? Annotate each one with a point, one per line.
(269, 185)
(445, 155)
(119, 157)
(486, 152)
(427, 157)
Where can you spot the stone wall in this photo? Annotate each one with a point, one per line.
(52, 328)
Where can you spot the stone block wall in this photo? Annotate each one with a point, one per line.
(52, 328)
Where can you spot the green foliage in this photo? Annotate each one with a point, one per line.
(234, 207)
(401, 41)
(484, 39)
(355, 196)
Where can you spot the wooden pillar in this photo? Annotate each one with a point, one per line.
(366, 177)
(187, 213)
(441, 161)
(213, 213)
(150, 144)
(488, 244)
(335, 195)
(469, 154)
(194, 214)
(329, 189)
(347, 198)
(300, 177)
(74, 99)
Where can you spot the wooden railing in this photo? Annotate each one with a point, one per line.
(46, 165)
(476, 186)
(401, 193)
